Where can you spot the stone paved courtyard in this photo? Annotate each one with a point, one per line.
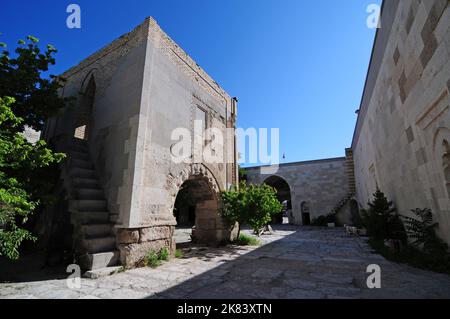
(294, 262)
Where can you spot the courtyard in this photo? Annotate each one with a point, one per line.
(293, 262)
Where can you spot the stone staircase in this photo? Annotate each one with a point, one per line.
(342, 203)
(94, 241)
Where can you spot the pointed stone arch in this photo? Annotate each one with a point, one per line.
(284, 194)
(203, 192)
(84, 119)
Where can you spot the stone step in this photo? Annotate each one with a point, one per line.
(82, 173)
(99, 245)
(90, 231)
(89, 205)
(97, 273)
(90, 217)
(90, 194)
(91, 183)
(79, 155)
(99, 260)
(81, 163)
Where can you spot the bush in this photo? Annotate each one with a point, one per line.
(421, 231)
(412, 256)
(425, 250)
(381, 221)
(164, 254)
(178, 253)
(152, 260)
(250, 204)
(246, 240)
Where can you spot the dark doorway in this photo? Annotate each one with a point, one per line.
(83, 121)
(306, 217)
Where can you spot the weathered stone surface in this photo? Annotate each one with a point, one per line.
(131, 152)
(322, 184)
(293, 262)
(131, 255)
(127, 236)
(404, 120)
(155, 233)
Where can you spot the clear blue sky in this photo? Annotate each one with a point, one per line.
(294, 64)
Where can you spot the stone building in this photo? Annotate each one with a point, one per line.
(120, 177)
(125, 193)
(402, 138)
(401, 142)
(313, 188)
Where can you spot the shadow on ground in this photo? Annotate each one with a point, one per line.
(29, 268)
(298, 263)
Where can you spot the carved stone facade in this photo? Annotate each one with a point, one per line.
(401, 139)
(146, 86)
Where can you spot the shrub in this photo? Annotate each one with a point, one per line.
(381, 221)
(164, 254)
(421, 232)
(250, 204)
(246, 240)
(152, 259)
(414, 257)
(178, 253)
(425, 250)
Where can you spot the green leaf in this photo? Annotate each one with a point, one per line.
(33, 39)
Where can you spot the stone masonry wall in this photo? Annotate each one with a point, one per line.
(403, 127)
(322, 183)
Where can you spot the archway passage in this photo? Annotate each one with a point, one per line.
(284, 196)
(196, 213)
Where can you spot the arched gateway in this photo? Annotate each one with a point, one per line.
(196, 208)
(284, 197)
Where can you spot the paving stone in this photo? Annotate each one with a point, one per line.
(311, 264)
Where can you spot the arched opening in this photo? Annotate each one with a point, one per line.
(284, 196)
(306, 216)
(446, 165)
(196, 213)
(84, 112)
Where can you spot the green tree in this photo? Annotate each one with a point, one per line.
(250, 204)
(381, 221)
(27, 98)
(22, 78)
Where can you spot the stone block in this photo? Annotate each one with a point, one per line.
(155, 233)
(127, 236)
(131, 255)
